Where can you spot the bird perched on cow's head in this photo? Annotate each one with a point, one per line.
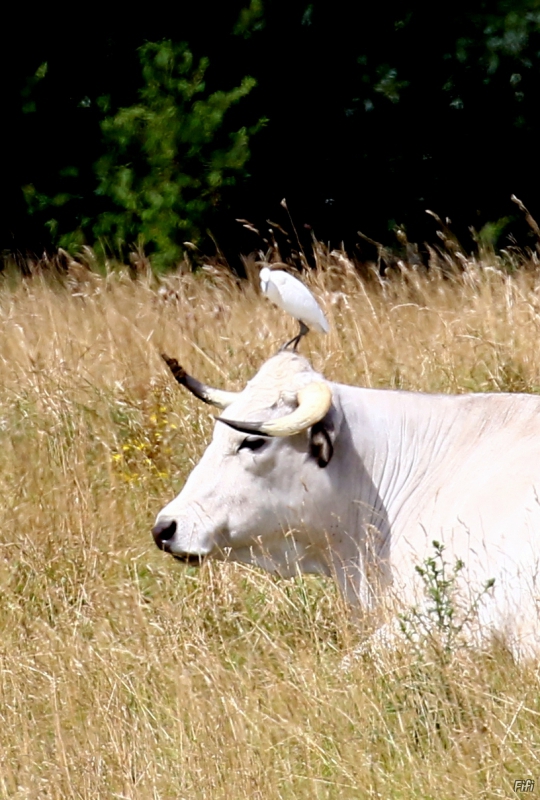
(290, 294)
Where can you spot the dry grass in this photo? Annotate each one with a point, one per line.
(124, 675)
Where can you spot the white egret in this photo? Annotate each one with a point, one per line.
(290, 294)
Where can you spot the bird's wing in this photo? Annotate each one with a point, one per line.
(300, 303)
(290, 294)
(273, 293)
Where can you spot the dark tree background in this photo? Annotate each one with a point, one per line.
(375, 113)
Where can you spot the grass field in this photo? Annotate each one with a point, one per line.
(125, 675)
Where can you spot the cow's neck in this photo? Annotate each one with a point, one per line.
(401, 439)
(389, 444)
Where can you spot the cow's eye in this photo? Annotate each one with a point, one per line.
(252, 443)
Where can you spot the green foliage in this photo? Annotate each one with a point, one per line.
(490, 233)
(27, 94)
(430, 698)
(441, 621)
(388, 84)
(167, 160)
(168, 149)
(250, 20)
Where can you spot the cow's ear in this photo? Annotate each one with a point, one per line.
(321, 440)
(321, 447)
(323, 434)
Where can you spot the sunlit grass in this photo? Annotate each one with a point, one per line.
(124, 675)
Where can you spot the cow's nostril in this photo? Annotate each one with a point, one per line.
(163, 531)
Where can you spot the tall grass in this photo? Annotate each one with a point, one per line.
(125, 675)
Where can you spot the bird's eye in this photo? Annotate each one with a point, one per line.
(252, 443)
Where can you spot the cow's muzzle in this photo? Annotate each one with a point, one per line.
(163, 531)
(191, 559)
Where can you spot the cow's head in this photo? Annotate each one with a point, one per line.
(262, 490)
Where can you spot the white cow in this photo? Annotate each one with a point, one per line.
(313, 476)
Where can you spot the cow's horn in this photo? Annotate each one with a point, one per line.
(314, 401)
(215, 397)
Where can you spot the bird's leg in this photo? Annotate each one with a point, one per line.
(303, 330)
(296, 340)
